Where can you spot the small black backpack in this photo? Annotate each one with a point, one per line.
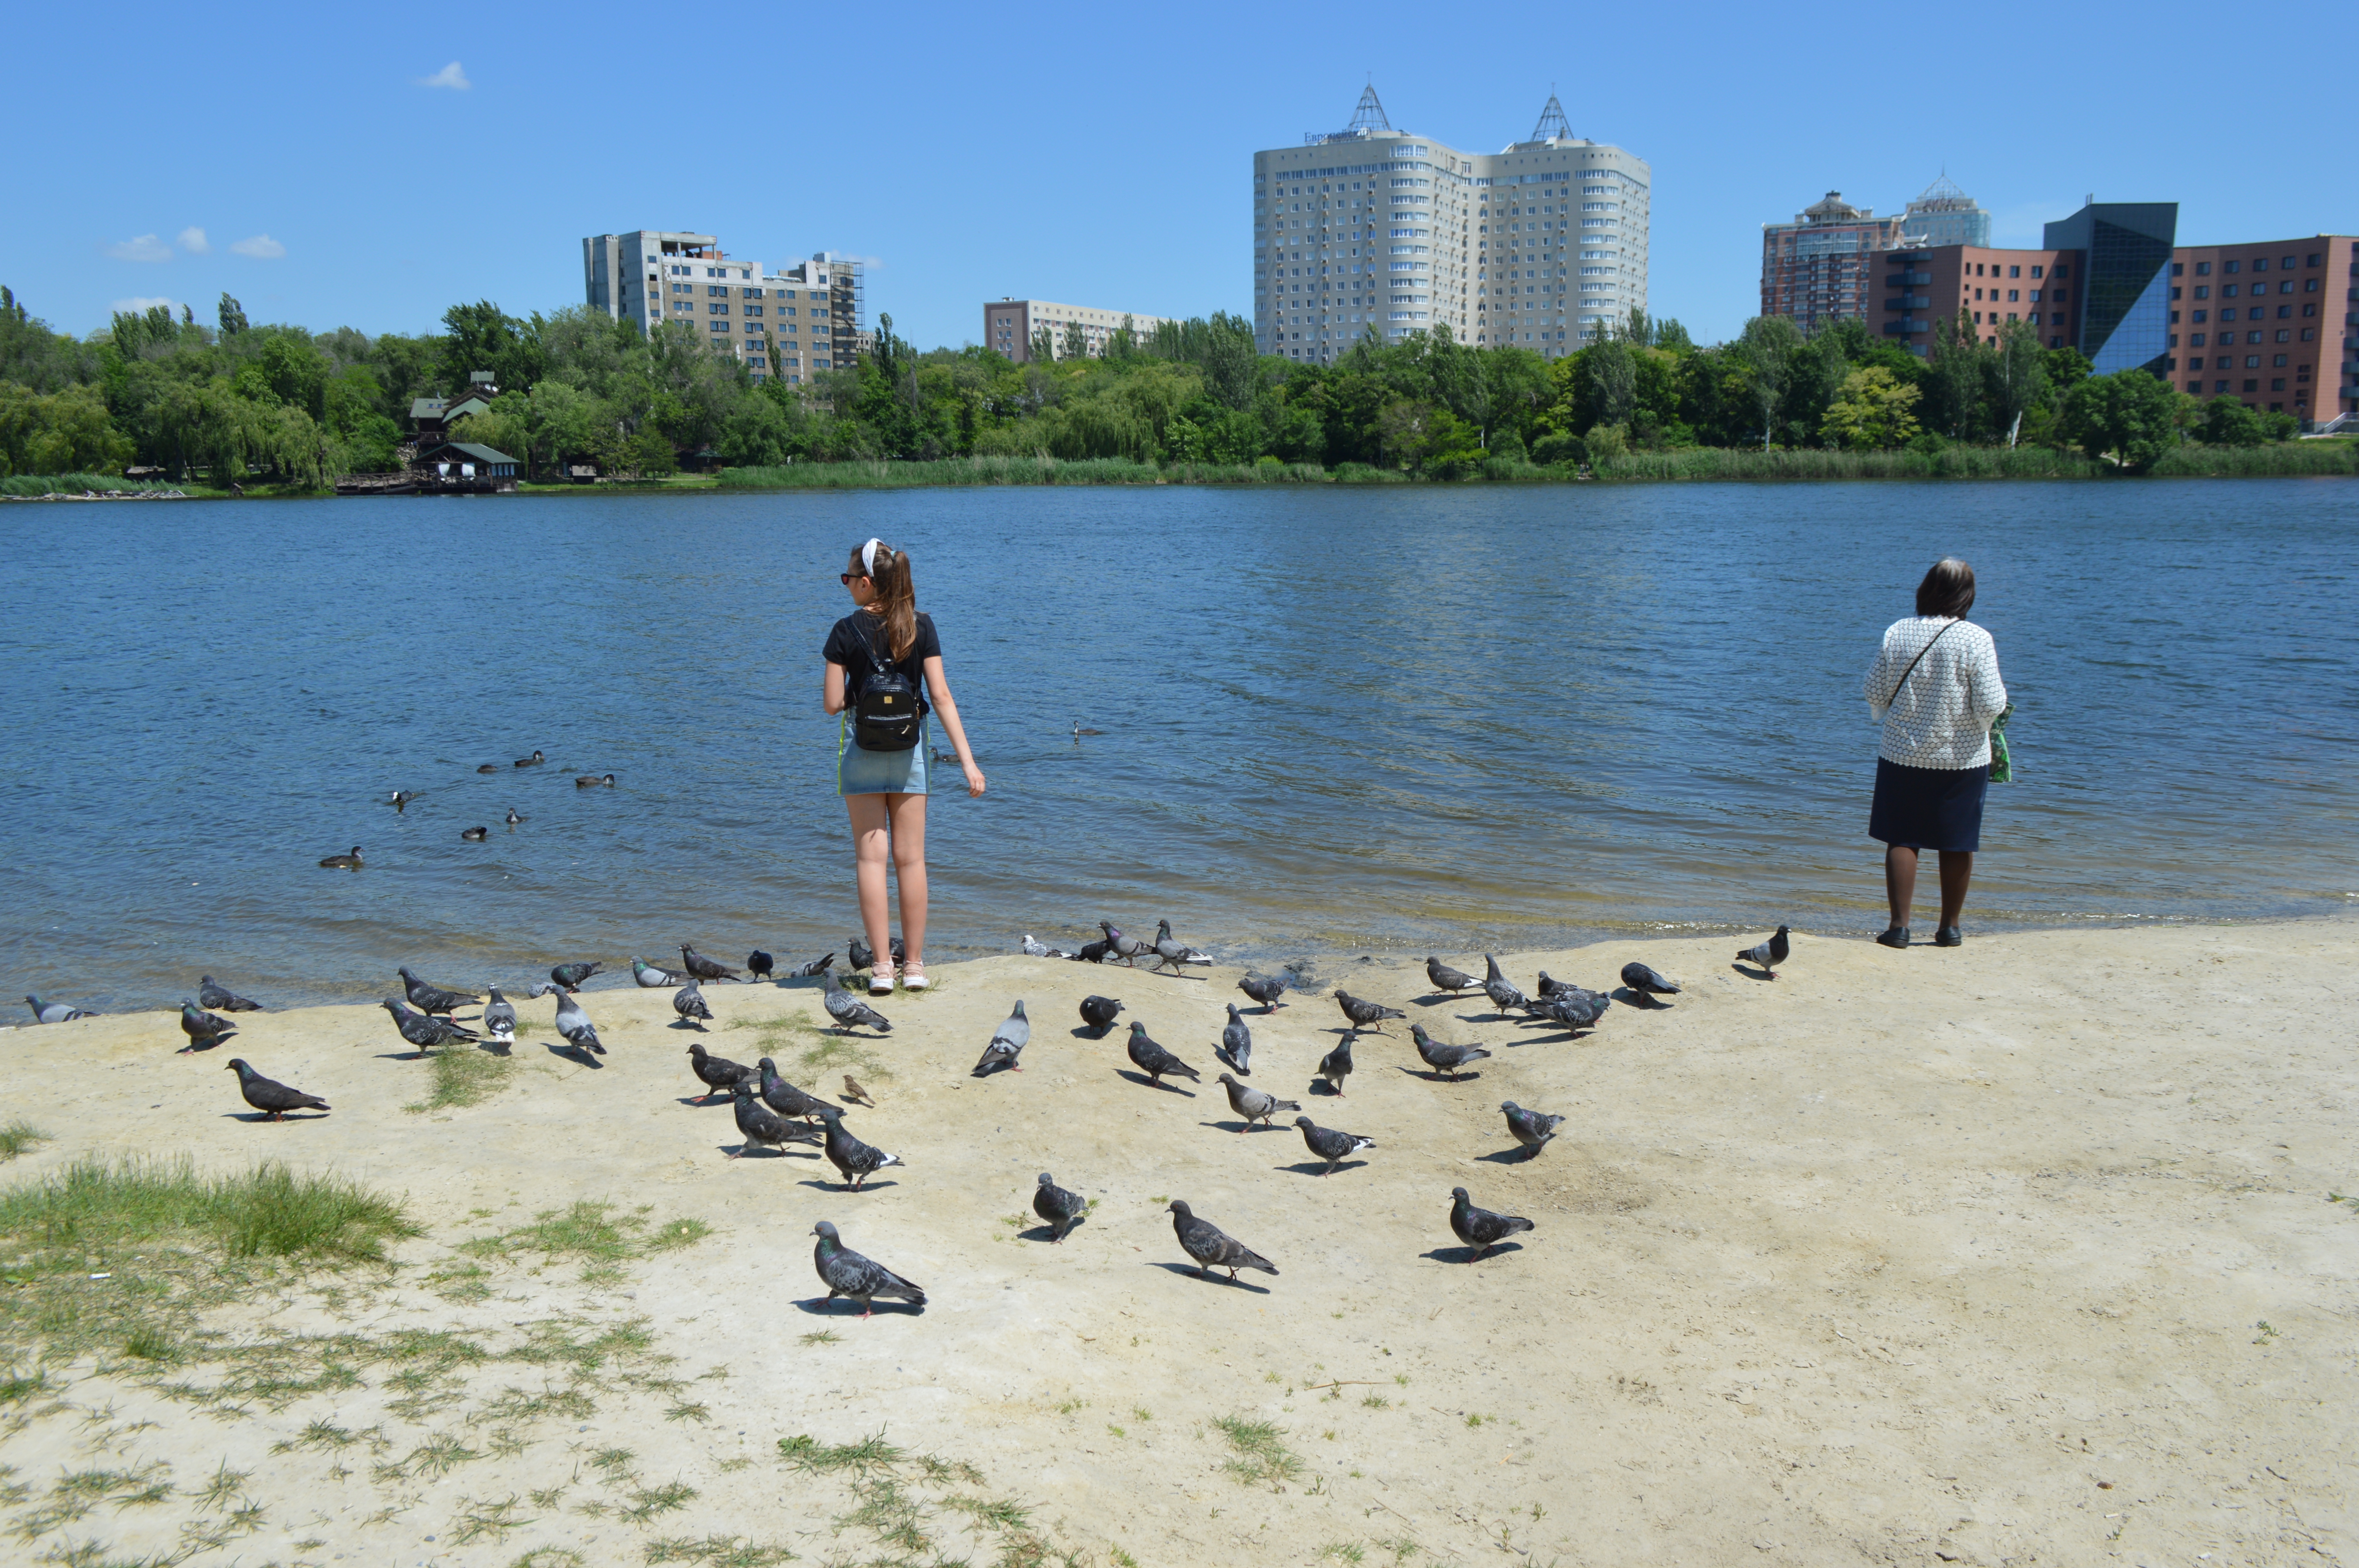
(885, 714)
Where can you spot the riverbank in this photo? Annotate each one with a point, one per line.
(2023, 1250)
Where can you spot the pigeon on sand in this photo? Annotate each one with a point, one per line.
(499, 1017)
(1236, 1044)
(1330, 1144)
(1174, 955)
(55, 1012)
(1253, 1105)
(572, 1021)
(426, 1033)
(1770, 954)
(783, 1097)
(1336, 1065)
(1098, 1012)
(653, 979)
(571, 977)
(1499, 989)
(759, 964)
(1648, 981)
(705, 968)
(1061, 1209)
(1129, 949)
(1445, 1058)
(813, 969)
(1479, 1228)
(221, 998)
(1036, 949)
(689, 1003)
(431, 999)
(1533, 1128)
(269, 1095)
(848, 1010)
(1006, 1045)
(764, 1128)
(857, 1160)
(1366, 1015)
(719, 1074)
(1154, 1060)
(1211, 1246)
(1264, 989)
(846, 1273)
(204, 1029)
(1446, 978)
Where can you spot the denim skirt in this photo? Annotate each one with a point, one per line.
(862, 772)
(1927, 808)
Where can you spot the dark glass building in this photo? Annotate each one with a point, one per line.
(2122, 307)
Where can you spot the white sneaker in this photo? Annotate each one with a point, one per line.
(880, 979)
(913, 976)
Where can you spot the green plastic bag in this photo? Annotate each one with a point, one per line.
(2002, 763)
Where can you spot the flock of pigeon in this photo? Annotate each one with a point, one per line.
(773, 1113)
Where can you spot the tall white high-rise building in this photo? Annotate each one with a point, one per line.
(1373, 230)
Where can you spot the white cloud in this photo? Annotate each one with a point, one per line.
(193, 241)
(449, 76)
(146, 248)
(261, 247)
(141, 305)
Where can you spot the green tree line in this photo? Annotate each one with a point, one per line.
(279, 402)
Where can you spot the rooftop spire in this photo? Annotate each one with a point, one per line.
(1552, 126)
(1370, 115)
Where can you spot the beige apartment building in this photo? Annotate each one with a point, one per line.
(805, 317)
(1011, 325)
(1369, 229)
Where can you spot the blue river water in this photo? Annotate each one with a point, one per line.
(1401, 719)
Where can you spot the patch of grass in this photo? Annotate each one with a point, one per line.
(216, 1493)
(463, 1076)
(1257, 1453)
(1343, 1551)
(682, 1410)
(549, 1557)
(2346, 1200)
(822, 1336)
(675, 1234)
(809, 1454)
(486, 1520)
(719, 1552)
(1377, 1402)
(646, 1502)
(148, 1343)
(71, 1220)
(17, 1137)
(992, 1513)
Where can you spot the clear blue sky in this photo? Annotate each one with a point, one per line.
(1094, 155)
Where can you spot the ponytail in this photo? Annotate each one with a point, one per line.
(896, 604)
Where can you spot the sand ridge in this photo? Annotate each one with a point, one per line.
(1935, 1256)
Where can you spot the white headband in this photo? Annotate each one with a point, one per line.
(868, 557)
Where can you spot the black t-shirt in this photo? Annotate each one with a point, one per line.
(849, 639)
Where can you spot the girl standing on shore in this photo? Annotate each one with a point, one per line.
(885, 791)
(1936, 688)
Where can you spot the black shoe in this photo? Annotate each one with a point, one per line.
(1896, 938)
(1948, 937)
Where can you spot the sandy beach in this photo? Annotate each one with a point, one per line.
(2018, 1253)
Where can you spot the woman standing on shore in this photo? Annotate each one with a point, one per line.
(885, 790)
(1936, 688)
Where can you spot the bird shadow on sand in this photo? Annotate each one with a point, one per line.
(1236, 1127)
(1041, 1233)
(1645, 1001)
(265, 1116)
(403, 1055)
(687, 1024)
(1752, 974)
(705, 1100)
(1435, 1075)
(1321, 1086)
(577, 1056)
(1143, 1079)
(1469, 1254)
(870, 1185)
(1319, 1167)
(753, 1150)
(1442, 998)
(1086, 1032)
(1567, 1038)
(1188, 1271)
(825, 1306)
(1515, 1156)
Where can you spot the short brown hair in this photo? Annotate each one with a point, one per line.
(1948, 589)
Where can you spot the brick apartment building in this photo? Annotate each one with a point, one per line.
(2113, 282)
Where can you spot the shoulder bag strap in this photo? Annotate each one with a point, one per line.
(1918, 659)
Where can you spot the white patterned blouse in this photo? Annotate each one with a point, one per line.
(1941, 718)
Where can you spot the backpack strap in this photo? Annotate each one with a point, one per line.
(1918, 659)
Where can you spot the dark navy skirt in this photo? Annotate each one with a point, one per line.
(1928, 808)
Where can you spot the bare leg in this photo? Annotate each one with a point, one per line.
(1957, 870)
(871, 852)
(909, 813)
(1900, 880)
